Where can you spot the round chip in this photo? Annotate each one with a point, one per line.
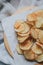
(22, 39)
(29, 55)
(36, 49)
(39, 58)
(26, 45)
(18, 23)
(41, 36)
(34, 33)
(26, 28)
(18, 49)
(31, 17)
(39, 22)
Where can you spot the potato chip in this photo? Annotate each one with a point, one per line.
(41, 36)
(39, 22)
(34, 33)
(31, 17)
(40, 44)
(26, 45)
(36, 49)
(20, 28)
(24, 34)
(22, 39)
(29, 55)
(39, 58)
(26, 28)
(18, 23)
(18, 49)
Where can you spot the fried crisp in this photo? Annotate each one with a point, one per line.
(29, 55)
(26, 45)
(41, 36)
(40, 44)
(18, 49)
(39, 22)
(36, 49)
(22, 39)
(39, 58)
(34, 33)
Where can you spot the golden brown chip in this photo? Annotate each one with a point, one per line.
(36, 49)
(18, 23)
(39, 22)
(34, 33)
(29, 55)
(18, 49)
(40, 44)
(39, 58)
(26, 45)
(22, 39)
(41, 36)
(26, 28)
(31, 17)
(24, 34)
(20, 28)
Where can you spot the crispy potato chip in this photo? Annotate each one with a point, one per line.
(20, 28)
(22, 39)
(39, 58)
(39, 22)
(31, 17)
(29, 55)
(18, 23)
(40, 44)
(41, 36)
(18, 49)
(36, 49)
(26, 28)
(24, 34)
(34, 33)
(26, 45)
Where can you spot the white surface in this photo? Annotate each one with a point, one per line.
(8, 24)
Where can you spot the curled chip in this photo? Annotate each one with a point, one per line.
(39, 22)
(41, 36)
(34, 33)
(40, 44)
(26, 45)
(24, 34)
(29, 55)
(36, 49)
(18, 49)
(22, 39)
(39, 58)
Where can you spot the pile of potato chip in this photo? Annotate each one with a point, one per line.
(30, 36)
